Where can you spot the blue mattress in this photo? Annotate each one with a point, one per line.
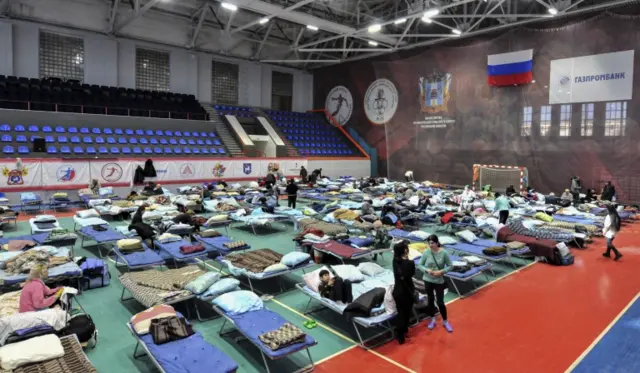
(144, 258)
(486, 243)
(253, 324)
(189, 355)
(171, 250)
(216, 244)
(399, 233)
(470, 273)
(574, 219)
(67, 270)
(359, 242)
(102, 236)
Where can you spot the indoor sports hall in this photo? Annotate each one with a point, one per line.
(291, 186)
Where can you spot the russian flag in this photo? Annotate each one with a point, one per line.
(510, 68)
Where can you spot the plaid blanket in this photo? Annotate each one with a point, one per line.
(287, 335)
(255, 261)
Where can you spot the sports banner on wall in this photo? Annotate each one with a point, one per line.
(12, 176)
(66, 173)
(112, 171)
(600, 77)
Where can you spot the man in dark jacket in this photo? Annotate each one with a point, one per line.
(269, 180)
(303, 174)
(292, 193)
(318, 173)
(608, 192)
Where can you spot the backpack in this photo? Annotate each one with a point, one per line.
(95, 273)
(81, 324)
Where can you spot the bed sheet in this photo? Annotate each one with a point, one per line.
(67, 270)
(190, 354)
(102, 236)
(574, 219)
(358, 241)
(255, 323)
(88, 221)
(36, 230)
(340, 250)
(171, 250)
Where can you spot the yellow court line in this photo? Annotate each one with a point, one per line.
(604, 332)
(391, 361)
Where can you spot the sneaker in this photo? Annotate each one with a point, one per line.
(617, 257)
(447, 326)
(606, 255)
(432, 324)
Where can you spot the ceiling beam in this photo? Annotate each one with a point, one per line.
(136, 14)
(273, 15)
(112, 15)
(198, 28)
(482, 18)
(264, 39)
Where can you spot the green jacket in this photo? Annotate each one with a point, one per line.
(427, 263)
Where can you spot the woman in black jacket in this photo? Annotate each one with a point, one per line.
(403, 290)
(137, 217)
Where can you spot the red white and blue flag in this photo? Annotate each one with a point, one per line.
(511, 68)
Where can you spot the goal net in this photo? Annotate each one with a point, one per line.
(500, 177)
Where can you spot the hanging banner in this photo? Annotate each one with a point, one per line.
(29, 175)
(247, 168)
(220, 169)
(66, 174)
(292, 168)
(112, 171)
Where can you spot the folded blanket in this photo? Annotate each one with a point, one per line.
(287, 335)
(495, 250)
(191, 249)
(255, 261)
(170, 280)
(129, 245)
(235, 245)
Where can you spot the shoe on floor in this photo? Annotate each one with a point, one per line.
(606, 255)
(432, 324)
(447, 326)
(617, 257)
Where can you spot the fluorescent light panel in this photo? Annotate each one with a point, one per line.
(373, 43)
(426, 19)
(374, 28)
(456, 32)
(312, 27)
(264, 20)
(553, 11)
(400, 21)
(229, 6)
(431, 12)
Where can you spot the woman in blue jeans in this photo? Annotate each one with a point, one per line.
(611, 228)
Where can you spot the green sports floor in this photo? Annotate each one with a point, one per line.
(114, 352)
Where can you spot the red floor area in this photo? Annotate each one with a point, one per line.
(357, 360)
(538, 320)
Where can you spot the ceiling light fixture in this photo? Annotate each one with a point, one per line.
(456, 32)
(229, 6)
(374, 28)
(264, 20)
(426, 19)
(431, 12)
(373, 43)
(553, 11)
(399, 21)
(312, 27)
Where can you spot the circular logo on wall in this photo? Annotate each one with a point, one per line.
(564, 80)
(65, 173)
(381, 101)
(339, 104)
(111, 172)
(187, 169)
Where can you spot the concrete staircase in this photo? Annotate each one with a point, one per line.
(291, 150)
(223, 131)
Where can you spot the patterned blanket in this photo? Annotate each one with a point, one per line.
(169, 280)
(255, 261)
(287, 335)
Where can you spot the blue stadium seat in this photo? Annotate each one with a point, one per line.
(21, 138)
(195, 134)
(213, 151)
(147, 150)
(103, 150)
(178, 134)
(168, 133)
(159, 133)
(157, 150)
(84, 130)
(5, 128)
(203, 134)
(122, 140)
(182, 142)
(211, 134)
(137, 150)
(47, 129)
(65, 150)
(186, 150)
(128, 132)
(208, 142)
(140, 132)
(153, 141)
(72, 130)
(33, 137)
(33, 128)
(163, 141)
(111, 140)
(87, 140)
(49, 139)
(205, 151)
(8, 149)
(23, 150)
(107, 131)
(216, 142)
(191, 142)
(200, 142)
(62, 139)
(118, 131)
(18, 128)
(99, 140)
(74, 140)
(115, 150)
(7, 138)
(91, 150)
(195, 151)
(149, 132)
(52, 150)
(221, 151)
(126, 150)
(177, 150)
(96, 131)
(167, 150)
(78, 150)
(186, 134)
(143, 141)
(173, 141)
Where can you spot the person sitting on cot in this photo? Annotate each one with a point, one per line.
(35, 295)
(567, 196)
(335, 288)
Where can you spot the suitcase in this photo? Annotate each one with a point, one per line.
(95, 273)
(83, 327)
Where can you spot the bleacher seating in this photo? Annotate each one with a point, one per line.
(238, 111)
(312, 135)
(90, 141)
(54, 94)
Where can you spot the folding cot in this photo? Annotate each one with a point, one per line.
(219, 224)
(476, 248)
(59, 203)
(42, 227)
(191, 354)
(6, 219)
(260, 220)
(150, 296)
(217, 244)
(74, 360)
(171, 250)
(252, 324)
(30, 202)
(342, 251)
(465, 276)
(87, 222)
(102, 238)
(138, 259)
(66, 271)
(262, 276)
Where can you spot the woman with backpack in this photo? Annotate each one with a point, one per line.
(434, 263)
(611, 228)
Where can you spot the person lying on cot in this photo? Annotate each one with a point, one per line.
(35, 295)
(335, 288)
(132, 196)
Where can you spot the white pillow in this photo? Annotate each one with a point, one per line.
(85, 214)
(312, 279)
(419, 235)
(275, 268)
(447, 240)
(389, 302)
(348, 272)
(32, 350)
(216, 218)
(370, 269)
(467, 235)
(44, 218)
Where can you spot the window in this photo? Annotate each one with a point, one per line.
(586, 124)
(61, 56)
(224, 83)
(281, 91)
(527, 117)
(152, 70)
(545, 120)
(565, 120)
(615, 119)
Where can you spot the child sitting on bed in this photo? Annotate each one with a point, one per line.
(335, 288)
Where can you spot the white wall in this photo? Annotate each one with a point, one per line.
(111, 61)
(337, 168)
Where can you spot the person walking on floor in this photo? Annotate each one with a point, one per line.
(292, 193)
(403, 290)
(502, 206)
(611, 228)
(434, 263)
